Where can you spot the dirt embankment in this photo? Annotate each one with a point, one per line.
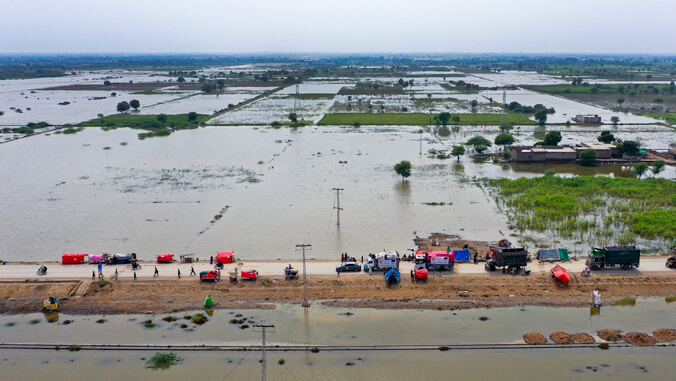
(443, 293)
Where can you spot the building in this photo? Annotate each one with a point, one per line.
(589, 119)
(531, 154)
(525, 154)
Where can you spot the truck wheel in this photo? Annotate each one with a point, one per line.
(626, 267)
(595, 267)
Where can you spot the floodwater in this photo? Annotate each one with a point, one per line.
(337, 326)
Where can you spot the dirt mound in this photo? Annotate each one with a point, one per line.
(583, 338)
(534, 338)
(637, 338)
(561, 337)
(610, 335)
(665, 334)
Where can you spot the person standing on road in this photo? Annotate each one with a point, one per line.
(116, 274)
(179, 273)
(192, 271)
(362, 259)
(211, 261)
(134, 276)
(93, 275)
(157, 273)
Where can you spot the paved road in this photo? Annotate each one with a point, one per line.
(56, 271)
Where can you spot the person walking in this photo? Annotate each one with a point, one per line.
(211, 261)
(157, 273)
(192, 271)
(93, 275)
(362, 259)
(179, 273)
(134, 276)
(116, 275)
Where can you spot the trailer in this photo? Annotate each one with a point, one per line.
(510, 259)
(382, 261)
(626, 257)
(165, 258)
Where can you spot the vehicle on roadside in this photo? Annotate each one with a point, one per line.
(436, 260)
(348, 267)
(626, 257)
(510, 259)
(671, 262)
(382, 261)
(290, 272)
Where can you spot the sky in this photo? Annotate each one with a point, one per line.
(340, 26)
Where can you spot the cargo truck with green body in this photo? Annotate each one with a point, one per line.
(626, 257)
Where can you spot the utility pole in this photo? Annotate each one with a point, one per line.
(420, 132)
(305, 304)
(261, 328)
(338, 205)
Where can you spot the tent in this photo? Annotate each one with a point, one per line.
(165, 258)
(461, 255)
(73, 258)
(96, 258)
(225, 257)
(551, 255)
(563, 254)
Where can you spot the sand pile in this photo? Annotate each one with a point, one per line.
(610, 335)
(665, 334)
(534, 338)
(583, 338)
(637, 338)
(561, 337)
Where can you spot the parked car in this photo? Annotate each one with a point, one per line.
(348, 266)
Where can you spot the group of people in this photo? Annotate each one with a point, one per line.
(345, 258)
(155, 274)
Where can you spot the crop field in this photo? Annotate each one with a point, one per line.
(417, 119)
(598, 210)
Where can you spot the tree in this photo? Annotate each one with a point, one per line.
(588, 157)
(180, 80)
(135, 104)
(657, 167)
(444, 117)
(192, 116)
(123, 106)
(220, 83)
(659, 100)
(403, 169)
(458, 151)
(478, 141)
(606, 137)
(293, 117)
(552, 138)
(631, 147)
(620, 101)
(504, 139)
(107, 83)
(474, 103)
(640, 169)
(615, 119)
(208, 87)
(162, 118)
(541, 115)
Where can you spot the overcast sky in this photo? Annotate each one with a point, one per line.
(227, 26)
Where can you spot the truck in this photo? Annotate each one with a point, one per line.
(511, 259)
(436, 260)
(611, 256)
(382, 261)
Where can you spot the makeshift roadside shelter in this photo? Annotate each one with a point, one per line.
(165, 258)
(225, 257)
(73, 258)
(563, 254)
(97, 258)
(462, 255)
(550, 255)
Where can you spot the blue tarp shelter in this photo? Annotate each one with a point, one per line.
(461, 255)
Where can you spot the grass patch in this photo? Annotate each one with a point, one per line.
(419, 119)
(199, 319)
(593, 209)
(371, 89)
(669, 117)
(177, 122)
(162, 360)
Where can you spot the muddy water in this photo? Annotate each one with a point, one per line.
(161, 194)
(324, 325)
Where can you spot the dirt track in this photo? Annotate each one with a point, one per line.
(444, 293)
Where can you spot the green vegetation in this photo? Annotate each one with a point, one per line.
(669, 117)
(363, 88)
(199, 318)
(159, 125)
(588, 157)
(419, 119)
(597, 210)
(458, 151)
(403, 169)
(162, 360)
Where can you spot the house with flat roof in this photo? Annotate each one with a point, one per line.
(533, 154)
(589, 119)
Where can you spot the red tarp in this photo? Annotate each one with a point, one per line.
(561, 274)
(73, 258)
(420, 274)
(225, 257)
(165, 258)
(252, 274)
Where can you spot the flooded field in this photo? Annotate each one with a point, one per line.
(333, 326)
